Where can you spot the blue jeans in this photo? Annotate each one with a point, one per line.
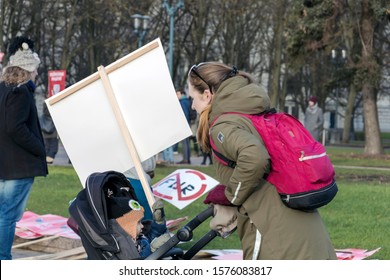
(186, 150)
(168, 155)
(13, 199)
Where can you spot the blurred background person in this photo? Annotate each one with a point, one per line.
(50, 135)
(185, 143)
(314, 119)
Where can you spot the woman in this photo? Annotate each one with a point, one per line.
(266, 227)
(314, 119)
(22, 152)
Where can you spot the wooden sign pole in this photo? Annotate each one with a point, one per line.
(125, 132)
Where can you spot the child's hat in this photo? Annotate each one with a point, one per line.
(118, 206)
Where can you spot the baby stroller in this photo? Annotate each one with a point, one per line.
(103, 239)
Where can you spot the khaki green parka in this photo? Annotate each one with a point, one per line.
(266, 227)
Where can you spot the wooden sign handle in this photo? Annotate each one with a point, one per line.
(126, 134)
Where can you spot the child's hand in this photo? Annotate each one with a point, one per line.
(159, 241)
(158, 212)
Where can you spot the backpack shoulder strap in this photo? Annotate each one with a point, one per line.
(220, 157)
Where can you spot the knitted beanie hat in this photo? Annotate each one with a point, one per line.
(22, 54)
(118, 206)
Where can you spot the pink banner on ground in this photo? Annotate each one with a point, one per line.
(355, 254)
(342, 254)
(33, 226)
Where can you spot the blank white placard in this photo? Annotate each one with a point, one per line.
(146, 97)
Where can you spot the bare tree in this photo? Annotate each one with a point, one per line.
(284, 43)
(279, 19)
(234, 36)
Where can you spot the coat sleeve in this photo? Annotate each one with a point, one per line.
(17, 118)
(244, 146)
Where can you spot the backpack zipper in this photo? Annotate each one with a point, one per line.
(303, 157)
(289, 196)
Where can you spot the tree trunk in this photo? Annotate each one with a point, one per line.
(349, 114)
(283, 92)
(2, 12)
(66, 55)
(277, 54)
(373, 144)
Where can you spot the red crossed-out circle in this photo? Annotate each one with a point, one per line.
(178, 186)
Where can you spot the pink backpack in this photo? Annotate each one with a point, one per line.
(301, 171)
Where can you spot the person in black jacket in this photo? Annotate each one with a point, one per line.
(186, 107)
(50, 135)
(22, 150)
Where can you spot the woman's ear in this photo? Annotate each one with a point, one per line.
(207, 95)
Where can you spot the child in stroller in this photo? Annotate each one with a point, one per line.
(128, 214)
(107, 216)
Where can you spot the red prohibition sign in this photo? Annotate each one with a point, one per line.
(178, 187)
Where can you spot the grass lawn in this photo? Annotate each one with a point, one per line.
(357, 218)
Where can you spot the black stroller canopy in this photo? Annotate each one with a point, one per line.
(89, 209)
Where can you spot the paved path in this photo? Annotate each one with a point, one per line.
(63, 159)
(363, 167)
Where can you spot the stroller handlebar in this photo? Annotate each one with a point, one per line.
(200, 218)
(183, 234)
